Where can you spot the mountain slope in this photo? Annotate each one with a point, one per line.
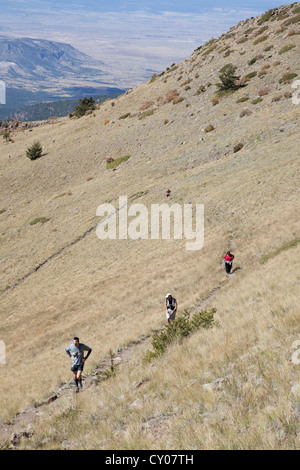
(233, 386)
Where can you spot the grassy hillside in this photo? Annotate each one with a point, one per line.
(232, 386)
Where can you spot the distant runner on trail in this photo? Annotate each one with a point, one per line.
(171, 307)
(75, 351)
(228, 258)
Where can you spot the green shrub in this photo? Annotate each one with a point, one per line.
(287, 48)
(281, 15)
(5, 445)
(252, 61)
(124, 116)
(242, 41)
(153, 78)
(242, 100)
(60, 195)
(138, 195)
(178, 329)
(6, 136)
(261, 39)
(257, 100)
(251, 74)
(211, 49)
(293, 20)
(284, 247)
(261, 30)
(117, 161)
(42, 220)
(35, 151)
(84, 105)
(255, 59)
(287, 77)
(229, 81)
(146, 114)
(266, 17)
(223, 50)
(267, 49)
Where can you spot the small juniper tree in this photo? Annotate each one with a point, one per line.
(35, 151)
(6, 136)
(229, 81)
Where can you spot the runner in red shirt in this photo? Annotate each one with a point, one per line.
(228, 258)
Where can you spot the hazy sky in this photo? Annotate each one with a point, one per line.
(150, 33)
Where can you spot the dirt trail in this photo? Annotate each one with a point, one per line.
(64, 248)
(203, 303)
(21, 425)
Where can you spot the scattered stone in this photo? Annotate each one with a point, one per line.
(295, 390)
(65, 445)
(137, 404)
(15, 438)
(45, 441)
(208, 387)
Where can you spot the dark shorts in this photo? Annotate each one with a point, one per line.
(228, 267)
(77, 367)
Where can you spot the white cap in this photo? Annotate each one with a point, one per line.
(168, 295)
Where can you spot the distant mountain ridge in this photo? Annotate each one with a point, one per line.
(32, 61)
(38, 71)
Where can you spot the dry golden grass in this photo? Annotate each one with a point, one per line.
(249, 404)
